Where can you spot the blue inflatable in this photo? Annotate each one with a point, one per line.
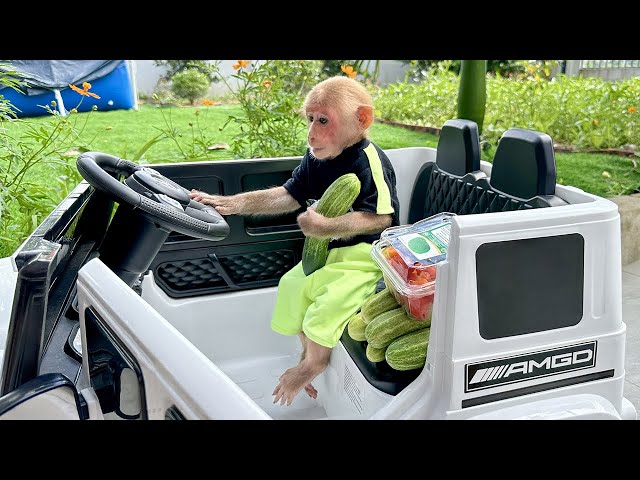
(111, 80)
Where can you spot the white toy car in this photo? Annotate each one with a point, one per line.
(163, 309)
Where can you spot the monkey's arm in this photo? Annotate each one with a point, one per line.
(345, 226)
(271, 201)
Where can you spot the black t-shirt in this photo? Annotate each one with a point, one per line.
(373, 168)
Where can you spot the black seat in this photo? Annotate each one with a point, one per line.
(524, 168)
(458, 151)
(445, 186)
(440, 186)
(378, 374)
(523, 177)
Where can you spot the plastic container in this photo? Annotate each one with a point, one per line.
(407, 256)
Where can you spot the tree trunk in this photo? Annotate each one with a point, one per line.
(472, 93)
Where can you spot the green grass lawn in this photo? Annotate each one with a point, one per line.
(124, 133)
(127, 133)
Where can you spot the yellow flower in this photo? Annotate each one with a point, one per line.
(596, 122)
(267, 83)
(85, 92)
(348, 69)
(632, 109)
(241, 64)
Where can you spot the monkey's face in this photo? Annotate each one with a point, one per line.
(329, 133)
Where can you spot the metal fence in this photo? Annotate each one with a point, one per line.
(598, 64)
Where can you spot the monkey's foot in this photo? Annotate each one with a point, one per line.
(292, 381)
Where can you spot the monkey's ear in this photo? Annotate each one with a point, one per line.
(365, 116)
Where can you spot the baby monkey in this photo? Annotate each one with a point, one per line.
(317, 307)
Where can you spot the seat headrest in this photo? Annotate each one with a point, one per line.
(524, 165)
(458, 150)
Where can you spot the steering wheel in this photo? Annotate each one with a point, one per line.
(156, 195)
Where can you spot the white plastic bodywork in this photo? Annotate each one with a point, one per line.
(599, 224)
(239, 340)
(8, 277)
(175, 372)
(93, 404)
(438, 392)
(215, 356)
(574, 407)
(56, 404)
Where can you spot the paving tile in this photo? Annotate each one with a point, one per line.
(631, 317)
(632, 393)
(630, 288)
(633, 268)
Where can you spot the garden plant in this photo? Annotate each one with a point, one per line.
(260, 118)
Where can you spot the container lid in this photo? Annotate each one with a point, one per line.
(407, 254)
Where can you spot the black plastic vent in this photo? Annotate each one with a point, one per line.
(193, 274)
(257, 267)
(180, 278)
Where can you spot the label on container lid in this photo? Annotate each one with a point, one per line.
(426, 246)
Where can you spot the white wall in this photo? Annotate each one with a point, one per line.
(391, 71)
(147, 74)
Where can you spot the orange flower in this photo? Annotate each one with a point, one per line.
(596, 122)
(85, 92)
(207, 103)
(241, 64)
(632, 109)
(348, 69)
(267, 83)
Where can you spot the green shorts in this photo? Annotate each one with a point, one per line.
(320, 304)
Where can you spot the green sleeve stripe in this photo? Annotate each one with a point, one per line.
(384, 196)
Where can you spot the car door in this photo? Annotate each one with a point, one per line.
(44, 319)
(140, 366)
(135, 366)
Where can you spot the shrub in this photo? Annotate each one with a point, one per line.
(505, 68)
(583, 112)
(190, 84)
(270, 94)
(29, 150)
(176, 66)
(162, 93)
(297, 76)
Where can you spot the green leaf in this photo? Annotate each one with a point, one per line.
(147, 146)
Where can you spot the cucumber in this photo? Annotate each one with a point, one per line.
(356, 326)
(388, 326)
(377, 304)
(375, 354)
(335, 201)
(409, 351)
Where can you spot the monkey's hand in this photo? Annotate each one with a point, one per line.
(314, 224)
(225, 205)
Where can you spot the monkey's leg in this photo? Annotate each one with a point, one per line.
(294, 379)
(310, 389)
